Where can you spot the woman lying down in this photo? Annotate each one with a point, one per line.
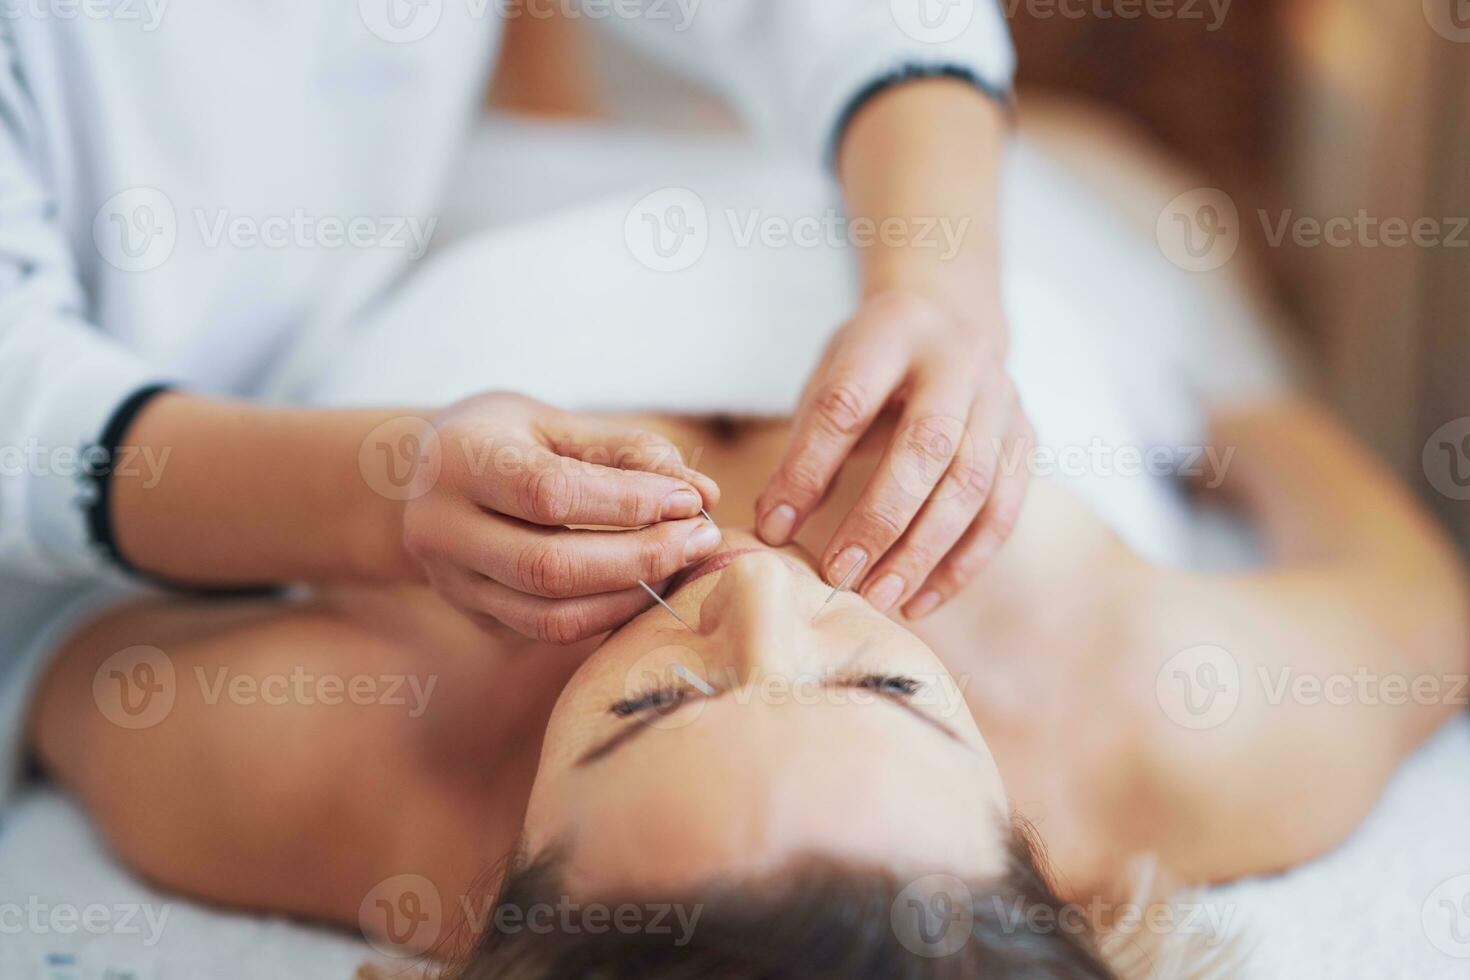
(759, 778)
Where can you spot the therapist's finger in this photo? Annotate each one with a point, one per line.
(563, 563)
(608, 443)
(952, 507)
(537, 485)
(929, 435)
(558, 621)
(990, 531)
(846, 394)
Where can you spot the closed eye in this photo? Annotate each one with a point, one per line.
(660, 699)
(886, 684)
(666, 697)
(893, 689)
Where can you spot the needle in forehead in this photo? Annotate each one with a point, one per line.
(846, 581)
(660, 600)
(693, 678)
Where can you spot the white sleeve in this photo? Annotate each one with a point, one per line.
(796, 68)
(60, 378)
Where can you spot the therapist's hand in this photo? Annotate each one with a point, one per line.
(953, 477)
(492, 532)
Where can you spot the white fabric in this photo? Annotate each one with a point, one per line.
(815, 55)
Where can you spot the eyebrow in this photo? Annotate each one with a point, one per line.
(636, 728)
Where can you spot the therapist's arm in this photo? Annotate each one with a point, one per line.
(215, 493)
(475, 499)
(925, 157)
(919, 165)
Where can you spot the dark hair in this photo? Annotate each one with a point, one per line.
(817, 917)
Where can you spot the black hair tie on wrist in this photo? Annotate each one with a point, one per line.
(100, 461)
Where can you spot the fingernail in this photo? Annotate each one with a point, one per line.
(844, 563)
(680, 504)
(705, 539)
(883, 595)
(777, 525)
(922, 606)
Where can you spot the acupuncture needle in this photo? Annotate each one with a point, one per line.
(660, 600)
(846, 581)
(694, 679)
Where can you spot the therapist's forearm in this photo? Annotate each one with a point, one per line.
(247, 495)
(925, 157)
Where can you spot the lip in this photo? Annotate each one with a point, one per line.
(708, 566)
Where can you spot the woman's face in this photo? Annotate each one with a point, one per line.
(776, 726)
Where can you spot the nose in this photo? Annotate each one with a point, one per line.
(758, 617)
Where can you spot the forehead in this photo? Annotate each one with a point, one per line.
(742, 791)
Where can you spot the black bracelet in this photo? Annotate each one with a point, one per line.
(908, 73)
(101, 460)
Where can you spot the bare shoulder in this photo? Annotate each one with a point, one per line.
(1270, 711)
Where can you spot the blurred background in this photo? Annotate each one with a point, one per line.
(1303, 112)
